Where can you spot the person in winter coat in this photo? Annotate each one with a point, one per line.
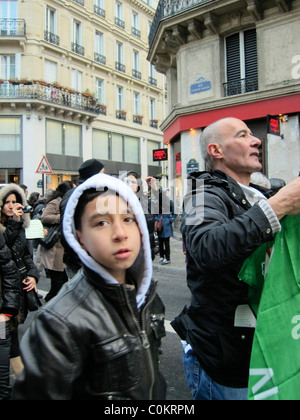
(9, 307)
(165, 234)
(99, 338)
(225, 220)
(52, 259)
(12, 226)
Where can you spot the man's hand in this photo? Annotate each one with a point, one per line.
(287, 200)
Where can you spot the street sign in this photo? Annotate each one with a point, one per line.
(44, 167)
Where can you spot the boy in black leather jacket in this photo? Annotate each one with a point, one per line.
(99, 338)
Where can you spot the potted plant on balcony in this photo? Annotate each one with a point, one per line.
(14, 82)
(1, 81)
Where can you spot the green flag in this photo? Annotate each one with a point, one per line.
(274, 295)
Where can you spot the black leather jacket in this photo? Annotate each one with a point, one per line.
(10, 291)
(91, 342)
(228, 230)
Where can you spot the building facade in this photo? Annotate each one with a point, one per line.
(75, 84)
(229, 58)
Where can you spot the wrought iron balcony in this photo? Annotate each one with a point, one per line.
(12, 27)
(76, 48)
(100, 58)
(51, 93)
(120, 67)
(99, 11)
(241, 86)
(50, 37)
(169, 8)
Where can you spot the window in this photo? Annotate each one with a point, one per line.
(152, 145)
(51, 26)
(77, 38)
(99, 8)
(10, 134)
(99, 48)
(136, 65)
(8, 66)
(152, 75)
(120, 57)
(76, 80)
(119, 17)
(136, 24)
(50, 71)
(63, 138)
(100, 90)
(241, 63)
(120, 98)
(136, 103)
(132, 149)
(100, 144)
(117, 147)
(8, 9)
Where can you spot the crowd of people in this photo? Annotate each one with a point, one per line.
(99, 335)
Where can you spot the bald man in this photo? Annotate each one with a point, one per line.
(218, 328)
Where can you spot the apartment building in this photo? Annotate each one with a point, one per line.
(223, 58)
(75, 84)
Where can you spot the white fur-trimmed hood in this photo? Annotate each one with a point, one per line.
(4, 192)
(142, 268)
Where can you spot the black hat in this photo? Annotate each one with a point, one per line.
(89, 168)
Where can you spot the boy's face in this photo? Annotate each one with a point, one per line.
(110, 234)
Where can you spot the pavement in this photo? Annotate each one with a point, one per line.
(177, 265)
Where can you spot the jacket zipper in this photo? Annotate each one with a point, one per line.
(143, 335)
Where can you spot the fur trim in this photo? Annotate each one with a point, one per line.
(4, 192)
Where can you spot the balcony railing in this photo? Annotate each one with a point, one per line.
(169, 8)
(100, 58)
(12, 27)
(242, 86)
(52, 93)
(50, 37)
(99, 11)
(76, 48)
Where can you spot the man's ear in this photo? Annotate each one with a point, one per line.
(215, 150)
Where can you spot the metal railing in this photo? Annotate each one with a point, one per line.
(12, 27)
(241, 86)
(13, 89)
(169, 8)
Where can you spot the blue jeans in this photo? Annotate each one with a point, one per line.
(202, 386)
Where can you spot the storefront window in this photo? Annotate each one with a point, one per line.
(132, 149)
(63, 139)
(8, 176)
(100, 144)
(117, 147)
(152, 145)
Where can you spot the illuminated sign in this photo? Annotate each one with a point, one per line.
(274, 125)
(160, 155)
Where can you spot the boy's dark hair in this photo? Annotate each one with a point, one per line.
(87, 197)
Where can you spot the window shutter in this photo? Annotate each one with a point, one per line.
(233, 86)
(251, 65)
(233, 58)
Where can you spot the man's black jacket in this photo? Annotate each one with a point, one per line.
(219, 237)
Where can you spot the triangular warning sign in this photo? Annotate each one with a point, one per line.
(44, 167)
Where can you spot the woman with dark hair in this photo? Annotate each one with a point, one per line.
(52, 259)
(13, 224)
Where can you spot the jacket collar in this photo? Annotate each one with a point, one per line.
(230, 186)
